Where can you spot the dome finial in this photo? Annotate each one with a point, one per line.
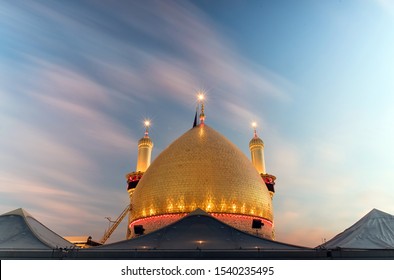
(201, 97)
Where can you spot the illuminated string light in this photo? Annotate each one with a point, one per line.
(176, 216)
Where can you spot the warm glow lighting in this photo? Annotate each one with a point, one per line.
(239, 217)
(155, 219)
(254, 124)
(200, 96)
(147, 123)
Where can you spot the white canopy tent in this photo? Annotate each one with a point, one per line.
(374, 231)
(20, 230)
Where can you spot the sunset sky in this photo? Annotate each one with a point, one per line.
(77, 79)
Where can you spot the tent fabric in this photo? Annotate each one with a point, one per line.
(374, 231)
(198, 230)
(20, 230)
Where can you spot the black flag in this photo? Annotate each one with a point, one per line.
(195, 120)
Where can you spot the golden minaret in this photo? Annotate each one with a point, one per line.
(256, 147)
(145, 146)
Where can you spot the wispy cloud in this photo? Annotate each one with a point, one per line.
(85, 85)
(76, 81)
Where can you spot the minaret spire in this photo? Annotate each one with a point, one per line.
(147, 125)
(254, 125)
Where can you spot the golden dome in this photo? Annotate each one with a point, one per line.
(201, 169)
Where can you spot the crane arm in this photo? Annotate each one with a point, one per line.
(108, 233)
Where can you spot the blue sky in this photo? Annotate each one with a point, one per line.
(77, 78)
